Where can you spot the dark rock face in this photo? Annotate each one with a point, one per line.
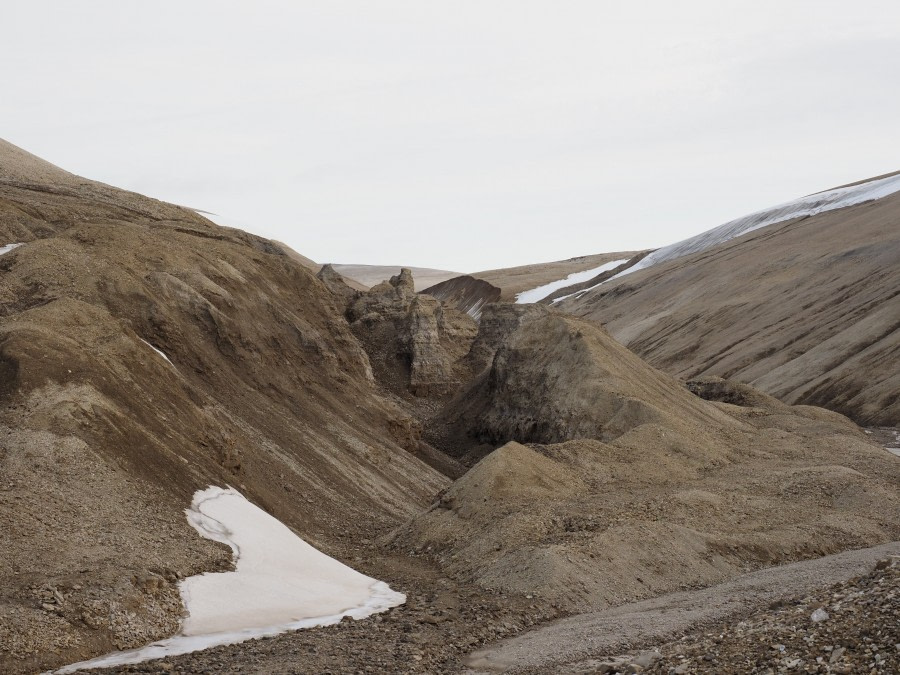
(414, 343)
(497, 322)
(544, 377)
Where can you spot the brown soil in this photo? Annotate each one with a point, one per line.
(104, 441)
(806, 310)
(754, 622)
(612, 481)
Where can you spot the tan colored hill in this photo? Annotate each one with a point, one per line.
(631, 486)
(807, 310)
(146, 352)
(257, 382)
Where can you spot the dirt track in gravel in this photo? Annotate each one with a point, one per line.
(651, 622)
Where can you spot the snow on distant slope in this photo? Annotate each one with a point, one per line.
(805, 206)
(8, 248)
(541, 292)
(280, 583)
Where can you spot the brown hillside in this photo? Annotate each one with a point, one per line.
(514, 280)
(263, 386)
(631, 486)
(806, 310)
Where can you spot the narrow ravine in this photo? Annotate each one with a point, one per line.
(280, 583)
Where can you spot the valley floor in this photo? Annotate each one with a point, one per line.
(442, 623)
(577, 644)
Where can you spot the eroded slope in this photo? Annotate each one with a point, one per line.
(630, 485)
(807, 310)
(146, 353)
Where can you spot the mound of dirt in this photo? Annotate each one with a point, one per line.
(648, 513)
(554, 378)
(631, 485)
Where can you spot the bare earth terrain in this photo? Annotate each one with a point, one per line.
(618, 637)
(502, 472)
(807, 310)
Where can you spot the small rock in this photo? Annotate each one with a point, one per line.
(819, 615)
(647, 659)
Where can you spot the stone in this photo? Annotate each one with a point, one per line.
(819, 615)
(647, 658)
(415, 344)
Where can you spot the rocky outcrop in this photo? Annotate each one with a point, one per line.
(498, 321)
(613, 481)
(553, 378)
(338, 286)
(415, 344)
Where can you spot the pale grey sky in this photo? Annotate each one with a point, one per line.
(462, 135)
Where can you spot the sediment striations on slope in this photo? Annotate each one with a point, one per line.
(807, 310)
(146, 353)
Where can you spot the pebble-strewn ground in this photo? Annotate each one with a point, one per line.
(852, 627)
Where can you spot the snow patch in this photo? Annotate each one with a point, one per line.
(280, 583)
(578, 294)
(9, 247)
(810, 205)
(541, 292)
(157, 351)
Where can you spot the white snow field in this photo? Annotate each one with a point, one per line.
(280, 583)
(798, 208)
(8, 248)
(541, 292)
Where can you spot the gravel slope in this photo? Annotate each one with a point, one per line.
(585, 641)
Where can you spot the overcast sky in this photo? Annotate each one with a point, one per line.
(461, 135)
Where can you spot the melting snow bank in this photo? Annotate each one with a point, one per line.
(541, 292)
(280, 584)
(806, 206)
(8, 248)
